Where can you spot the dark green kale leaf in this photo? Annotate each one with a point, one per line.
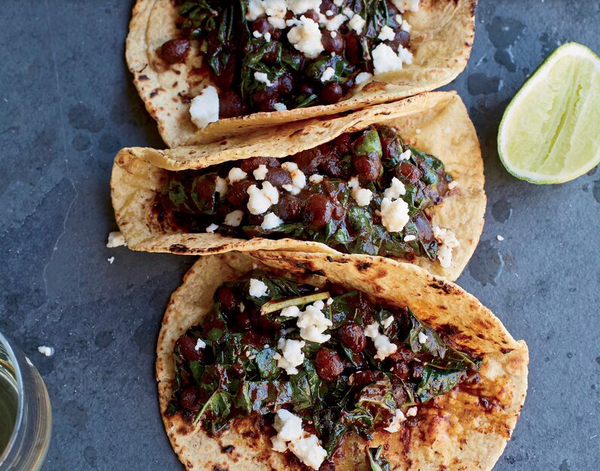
(263, 396)
(378, 399)
(438, 381)
(307, 388)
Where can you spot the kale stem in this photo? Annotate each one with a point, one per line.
(279, 305)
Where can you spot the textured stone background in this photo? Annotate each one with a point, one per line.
(66, 107)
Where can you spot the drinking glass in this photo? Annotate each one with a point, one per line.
(25, 412)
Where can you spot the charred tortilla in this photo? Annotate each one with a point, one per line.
(436, 123)
(466, 429)
(441, 36)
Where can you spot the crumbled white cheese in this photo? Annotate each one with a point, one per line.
(263, 78)
(453, 184)
(110, 260)
(277, 23)
(288, 426)
(407, 154)
(289, 166)
(255, 9)
(394, 214)
(297, 176)
(410, 238)
(302, 6)
(267, 36)
(205, 107)
(396, 190)
(422, 337)
(333, 34)
(261, 172)
(316, 178)
(386, 34)
(353, 183)
(405, 55)
(271, 221)
(257, 288)
(362, 196)
(236, 174)
(500, 238)
(291, 435)
(448, 242)
(405, 26)
(221, 186)
(199, 344)
(329, 13)
(412, 412)
(291, 355)
(262, 199)
(116, 239)
(338, 3)
(234, 218)
(329, 301)
(276, 8)
(279, 107)
(396, 422)
(313, 323)
(309, 451)
(399, 19)
(46, 351)
(306, 38)
(257, 34)
(362, 77)
(385, 59)
(333, 23)
(327, 74)
(406, 5)
(387, 322)
(357, 23)
(212, 228)
(382, 343)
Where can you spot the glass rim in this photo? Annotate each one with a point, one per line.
(21, 400)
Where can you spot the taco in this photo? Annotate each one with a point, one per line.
(301, 361)
(247, 64)
(402, 180)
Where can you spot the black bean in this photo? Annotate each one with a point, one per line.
(318, 210)
(352, 336)
(187, 348)
(331, 93)
(175, 50)
(251, 164)
(329, 364)
(190, 399)
(289, 208)
(228, 299)
(278, 176)
(238, 193)
(369, 167)
(231, 105)
(333, 41)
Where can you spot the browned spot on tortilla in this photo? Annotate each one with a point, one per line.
(175, 85)
(143, 77)
(442, 286)
(218, 468)
(178, 248)
(363, 266)
(382, 273)
(223, 143)
(227, 449)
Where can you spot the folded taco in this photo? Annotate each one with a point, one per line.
(300, 361)
(246, 64)
(403, 180)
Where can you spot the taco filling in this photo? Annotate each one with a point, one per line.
(273, 55)
(365, 192)
(315, 363)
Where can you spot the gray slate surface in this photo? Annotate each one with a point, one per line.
(67, 105)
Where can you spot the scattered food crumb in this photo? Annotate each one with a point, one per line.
(499, 237)
(116, 239)
(418, 131)
(47, 351)
(111, 260)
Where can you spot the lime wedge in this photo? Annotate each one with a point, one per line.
(550, 132)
